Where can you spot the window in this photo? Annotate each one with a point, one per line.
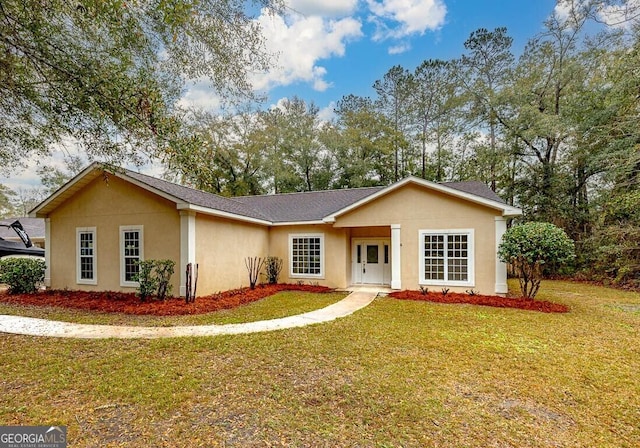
(131, 251)
(446, 257)
(306, 255)
(86, 256)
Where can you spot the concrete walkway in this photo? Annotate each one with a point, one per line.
(40, 327)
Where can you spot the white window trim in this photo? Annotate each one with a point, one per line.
(85, 281)
(306, 235)
(471, 257)
(123, 229)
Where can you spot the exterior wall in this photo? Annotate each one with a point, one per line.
(222, 246)
(337, 256)
(371, 232)
(107, 206)
(416, 208)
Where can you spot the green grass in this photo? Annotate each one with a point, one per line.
(395, 374)
(282, 304)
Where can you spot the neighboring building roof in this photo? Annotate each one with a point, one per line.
(315, 206)
(33, 226)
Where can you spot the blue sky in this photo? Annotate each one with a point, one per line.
(366, 59)
(331, 48)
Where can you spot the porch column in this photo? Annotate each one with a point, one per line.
(501, 268)
(47, 252)
(396, 259)
(187, 245)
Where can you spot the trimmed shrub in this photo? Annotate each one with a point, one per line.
(153, 278)
(273, 267)
(254, 266)
(528, 247)
(164, 271)
(147, 281)
(23, 275)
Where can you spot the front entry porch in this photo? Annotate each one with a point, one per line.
(371, 261)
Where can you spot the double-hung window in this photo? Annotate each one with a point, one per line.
(131, 252)
(446, 257)
(86, 268)
(306, 255)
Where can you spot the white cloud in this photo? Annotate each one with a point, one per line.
(299, 43)
(327, 113)
(621, 15)
(400, 48)
(28, 177)
(401, 18)
(324, 8)
(200, 95)
(562, 10)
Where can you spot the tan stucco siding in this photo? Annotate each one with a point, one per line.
(416, 208)
(222, 246)
(336, 254)
(107, 206)
(371, 232)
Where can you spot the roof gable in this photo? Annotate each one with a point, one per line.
(475, 192)
(183, 197)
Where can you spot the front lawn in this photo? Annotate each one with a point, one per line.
(397, 373)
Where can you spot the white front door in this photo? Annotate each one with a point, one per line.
(371, 262)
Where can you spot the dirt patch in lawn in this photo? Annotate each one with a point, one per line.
(129, 303)
(477, 299)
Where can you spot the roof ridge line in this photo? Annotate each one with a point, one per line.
(306, 192)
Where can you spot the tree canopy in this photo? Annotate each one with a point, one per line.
(108, 72)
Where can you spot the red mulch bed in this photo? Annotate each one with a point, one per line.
(129, 303)
(496, 301)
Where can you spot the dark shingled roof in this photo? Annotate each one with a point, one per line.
(475, 187)
(197, 197)
(289, 207)
(307, 206)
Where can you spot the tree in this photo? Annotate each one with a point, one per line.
(108, 72)
(295, 157)
(27, 198)
(364, 149)
(532, 246)
(393, 101)
(484, 71)
(226, 160)
(53, 177)
(6, 202)
(549, 80)
(300, 147)
(434, 100)
(271, 137)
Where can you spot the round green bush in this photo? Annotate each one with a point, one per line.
(22, 275)
(528, 247)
